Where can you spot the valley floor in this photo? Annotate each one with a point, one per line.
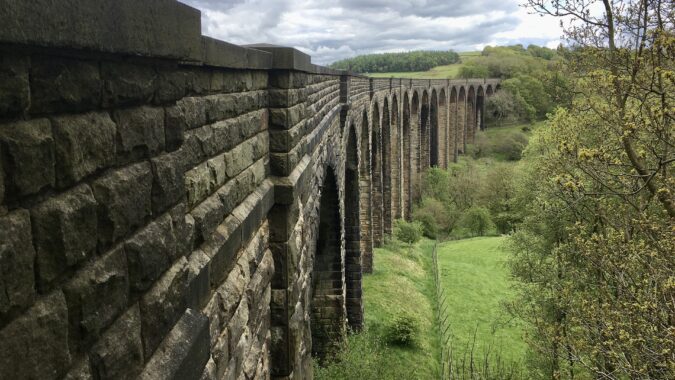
(476, 283)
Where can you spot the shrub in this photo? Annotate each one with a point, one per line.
(477, 220)
(408, 232)
(434, 216)
(512, 146)
(402, 331)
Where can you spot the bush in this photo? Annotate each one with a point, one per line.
(402, 331)
(408, 232)
(434, 216)
(477, 220)
(362, 356)
(512, 146)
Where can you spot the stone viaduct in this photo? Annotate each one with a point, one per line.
(177, 207)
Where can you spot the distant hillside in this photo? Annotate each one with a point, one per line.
(397, 62)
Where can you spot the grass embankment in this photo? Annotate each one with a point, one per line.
(439, 72)
(477, 283)
(401, 284)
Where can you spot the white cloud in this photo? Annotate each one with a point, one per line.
(329, 30)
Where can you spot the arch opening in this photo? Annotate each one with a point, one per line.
(365, 191)
(386, 169)
(424, 146)
(327, 311)
(407, 158)
(353, 268)
(434, 146)
(376, 178)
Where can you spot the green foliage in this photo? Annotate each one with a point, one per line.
(403, 330)
(397, 62)
(532, 81)
(594, 253)
(362, 356)
(511, 148)
(477, 221)
(436, 217)
(408, 232)
(501, 108)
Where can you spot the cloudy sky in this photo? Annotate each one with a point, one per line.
(329, 30)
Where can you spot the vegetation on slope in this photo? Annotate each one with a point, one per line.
(420, 60)
(401, 285)
(594, 252)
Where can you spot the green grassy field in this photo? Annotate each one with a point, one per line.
(401, 284)
(439, 72)
(476, 281)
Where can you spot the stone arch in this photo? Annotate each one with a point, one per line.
(406, 158)
(489, 91)
(453, 125)
(461, 120)
(353, 268)
(480, 108)
(386, 168)
(424, 145)
(471, 115)
(327, 310)
(365, 209)
(396, 160)
(443, 132)
(376, 178)
(434, 144)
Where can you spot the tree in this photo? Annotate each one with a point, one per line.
(408, 232)
(477, 221)
(595, 252)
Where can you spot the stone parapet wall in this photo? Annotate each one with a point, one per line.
(161, 192)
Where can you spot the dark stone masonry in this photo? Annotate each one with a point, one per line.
(176, 207)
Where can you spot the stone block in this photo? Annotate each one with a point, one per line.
(174, 127)
(80, 371)
(237, 324)
(172, 83)
(35, 345)
(14, 84)
(184, 230)
(140, 133)
(127, 83)
(28, 148)
(65, 229)
(17, 275)
(163, 305)
(124, 198)
(198, 184)
(221, 354)
(209, 371)
(194, 111)
(149, 253)
(185, 351)
(261, 279)
(222, 249)
(84, 144)
(119, 353)
(167, 182)
(96, 296)
(64, 84)
(208, 215)
(2, 182)
(199, 287)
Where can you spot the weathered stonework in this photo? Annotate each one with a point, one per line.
(177, 207)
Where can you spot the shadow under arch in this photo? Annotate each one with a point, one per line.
(327, 310)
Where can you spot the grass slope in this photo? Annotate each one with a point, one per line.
(400, 284)
(476, 283)
(439, 72)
